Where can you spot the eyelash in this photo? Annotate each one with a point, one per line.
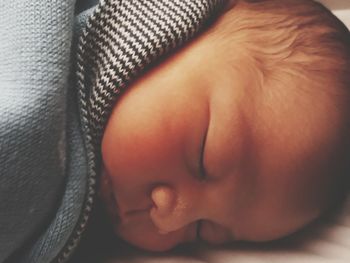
(202, 170)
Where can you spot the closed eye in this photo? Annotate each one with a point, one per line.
(202, 170)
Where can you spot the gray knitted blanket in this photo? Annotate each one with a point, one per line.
(51, 121)
(35, 41)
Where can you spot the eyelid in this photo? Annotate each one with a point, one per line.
(202, 170)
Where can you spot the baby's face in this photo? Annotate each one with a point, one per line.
(197, 149)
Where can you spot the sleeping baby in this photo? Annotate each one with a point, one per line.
(241, 135)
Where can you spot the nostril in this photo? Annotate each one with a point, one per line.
(164, 200)
(169, 212)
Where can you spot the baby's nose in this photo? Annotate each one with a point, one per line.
(171, 211)
(164, 199)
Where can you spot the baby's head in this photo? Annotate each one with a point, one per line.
(241, 135)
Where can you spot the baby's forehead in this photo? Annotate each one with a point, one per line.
(230, 48)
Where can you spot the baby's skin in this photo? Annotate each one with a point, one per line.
(199, 149)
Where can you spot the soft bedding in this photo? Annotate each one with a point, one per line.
(327, 240)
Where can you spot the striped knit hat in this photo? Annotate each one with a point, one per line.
(123, 38)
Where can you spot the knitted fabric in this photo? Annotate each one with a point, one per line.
(35, 41)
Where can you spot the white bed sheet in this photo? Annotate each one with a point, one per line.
(327, 241)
